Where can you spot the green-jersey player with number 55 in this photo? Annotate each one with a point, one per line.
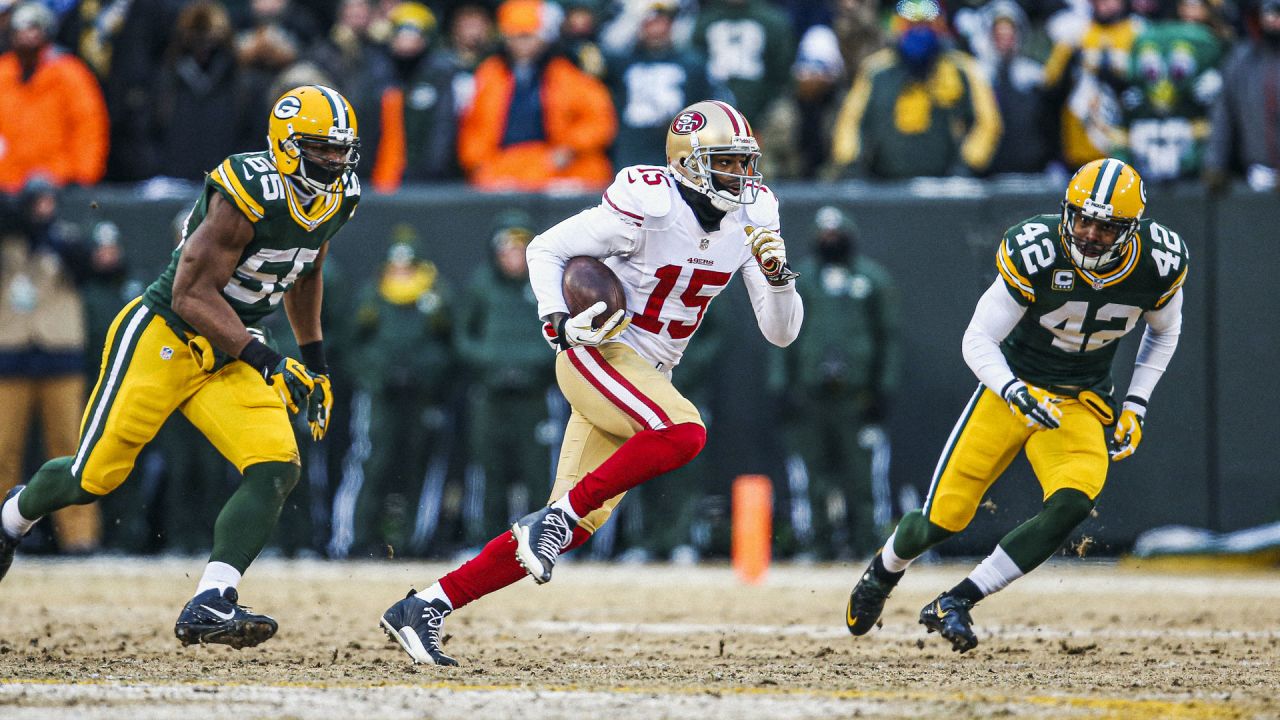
(1041, 341)
(256, 236)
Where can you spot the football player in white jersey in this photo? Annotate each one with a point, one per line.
(674, 235)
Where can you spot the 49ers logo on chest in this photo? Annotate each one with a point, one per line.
(688, 122)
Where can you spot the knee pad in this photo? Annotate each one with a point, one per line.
(687, 440)
(274, 478)
(1065, 509)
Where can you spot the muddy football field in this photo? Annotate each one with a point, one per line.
(1077, 639)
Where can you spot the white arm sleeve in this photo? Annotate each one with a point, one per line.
(1159, 341)
(779, 310)
(993, 319)
(595, 232)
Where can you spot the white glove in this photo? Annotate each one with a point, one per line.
(577, 330)
(770, 254)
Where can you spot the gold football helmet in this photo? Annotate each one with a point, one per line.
(709, 128)
(1111, 193)
(312, 137)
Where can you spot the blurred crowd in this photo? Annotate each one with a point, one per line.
(554, 95)
(447, 420)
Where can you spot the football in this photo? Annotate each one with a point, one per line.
(588, 281)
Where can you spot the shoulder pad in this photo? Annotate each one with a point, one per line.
(639, 192)
(1170, 256)
(764, 211)
(1027, 248)
(235, 178)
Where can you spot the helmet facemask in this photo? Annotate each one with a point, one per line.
(323, 159)
(1094, 256)
(696, 171)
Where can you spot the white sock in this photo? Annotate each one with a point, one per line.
(14, 524)
(995, 572)
(564, 504)
(435, 592)
(218, 575)
(891, 561)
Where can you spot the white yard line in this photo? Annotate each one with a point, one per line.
(890, 630)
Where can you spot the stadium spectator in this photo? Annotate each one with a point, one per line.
(918, 108)
(201, 79)
(857, 25)
(509, 369)
(42, 346)
(277, 37)
(1086, 77)
(1018, 83)
(749, 46)
(537, 121)
(403, 331)
(1174, 83)
(137, 53)
(622, 29)
(470, 41)
(818, 71)
(579, 36)
(834, 385)
(361, 70)
(1246, 118)
(54, 120)
(650, 84)
(418, 122)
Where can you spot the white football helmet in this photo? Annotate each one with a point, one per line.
(709, 128)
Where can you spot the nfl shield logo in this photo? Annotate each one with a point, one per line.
(166, 352)
(688, 122)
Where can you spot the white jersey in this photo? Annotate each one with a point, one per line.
(669, 266)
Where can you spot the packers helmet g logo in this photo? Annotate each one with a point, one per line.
(688, 122)
(289, 106)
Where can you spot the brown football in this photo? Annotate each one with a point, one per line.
(588, 281)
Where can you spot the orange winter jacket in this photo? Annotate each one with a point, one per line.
(577, 113)
(55, 123)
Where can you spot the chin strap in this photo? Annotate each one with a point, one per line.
(717, 201)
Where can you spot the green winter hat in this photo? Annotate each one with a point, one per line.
(513, 224)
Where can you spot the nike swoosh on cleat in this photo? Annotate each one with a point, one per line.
(941, 613)
(849, 619)
(224, 616)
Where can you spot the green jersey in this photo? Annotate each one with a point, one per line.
(287, 235)
(1067, 337)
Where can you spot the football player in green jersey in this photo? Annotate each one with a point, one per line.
(1041, 342)
(257, 235)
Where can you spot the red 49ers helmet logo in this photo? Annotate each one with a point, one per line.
(688, 122)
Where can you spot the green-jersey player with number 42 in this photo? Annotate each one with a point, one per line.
(1041, 342)
(255, 239)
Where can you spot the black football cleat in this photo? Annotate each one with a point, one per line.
(540, 538)
(866, 602)
(8, 545)
(215, 617)
(949, 617)
(415, 623)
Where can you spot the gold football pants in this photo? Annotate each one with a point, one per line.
(987, 438)
(615, 394)
(147, 373)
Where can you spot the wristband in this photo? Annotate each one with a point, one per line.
(258, 356)
(312, 355)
